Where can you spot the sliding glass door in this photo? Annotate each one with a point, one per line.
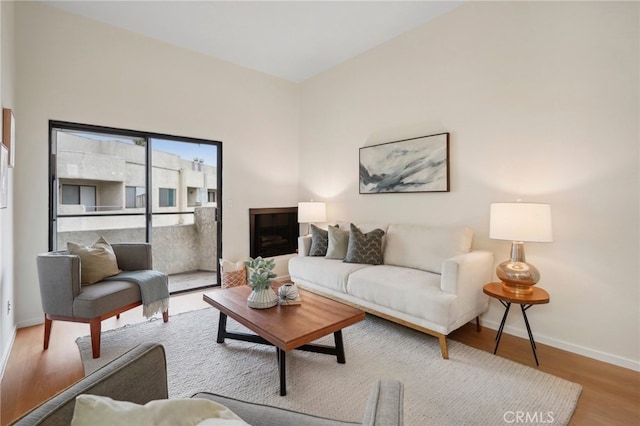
(134, 186)
(185, 207)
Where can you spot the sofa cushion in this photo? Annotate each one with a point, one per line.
(364, 248)
(104, 297)
(319, 241)
(364, 227)
(97, 261)
(329, 273)
(338, 243)
(406, 290)
(423, 247)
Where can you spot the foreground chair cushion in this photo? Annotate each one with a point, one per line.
(93, 410)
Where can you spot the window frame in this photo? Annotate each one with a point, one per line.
(136, 205)
(170, 197)
(56, 125)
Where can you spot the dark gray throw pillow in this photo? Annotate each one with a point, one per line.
(319, 241)
(364, 248)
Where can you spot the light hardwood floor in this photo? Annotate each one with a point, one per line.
(610, 396)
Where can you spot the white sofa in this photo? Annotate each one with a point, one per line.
(430, 280)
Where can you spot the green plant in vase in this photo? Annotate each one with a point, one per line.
(261, 276)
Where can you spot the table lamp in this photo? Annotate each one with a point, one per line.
(519, 223)
(312, 211)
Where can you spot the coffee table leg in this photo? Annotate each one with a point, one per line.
(222, 328)
(337, 336)
(282, 366)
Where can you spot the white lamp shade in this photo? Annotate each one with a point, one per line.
(520, 222)
(312, 212)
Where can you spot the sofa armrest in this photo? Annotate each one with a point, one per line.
(133, 256)
(138, 376)
(386, 404)
(304, 245)
(466, 271)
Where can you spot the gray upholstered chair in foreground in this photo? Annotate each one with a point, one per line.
(140, 376)
(65, 299)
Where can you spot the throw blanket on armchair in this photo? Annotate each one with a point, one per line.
(154, 289)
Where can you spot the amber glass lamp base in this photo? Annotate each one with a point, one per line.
(516, 274)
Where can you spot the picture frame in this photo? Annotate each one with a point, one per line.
(9, 134)
(418, 164)
(4, 176)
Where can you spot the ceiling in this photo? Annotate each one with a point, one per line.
(293, 40)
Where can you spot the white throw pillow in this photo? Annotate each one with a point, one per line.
(229, 266)
(94, 410)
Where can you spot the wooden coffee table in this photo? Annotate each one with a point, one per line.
(285, 327)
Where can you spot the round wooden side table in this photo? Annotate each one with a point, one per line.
(538, 297)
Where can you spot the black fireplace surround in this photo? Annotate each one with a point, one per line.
(273, 231)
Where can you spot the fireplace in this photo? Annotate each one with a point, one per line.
(273, 231)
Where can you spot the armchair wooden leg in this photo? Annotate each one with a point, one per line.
(47, 331)
(478, 324)
(165, 316)
(95, 326)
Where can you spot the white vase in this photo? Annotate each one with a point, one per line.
(262, 299)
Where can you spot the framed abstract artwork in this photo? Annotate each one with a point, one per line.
(4, 176)
(411, 165)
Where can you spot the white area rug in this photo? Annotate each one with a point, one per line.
(471, 388)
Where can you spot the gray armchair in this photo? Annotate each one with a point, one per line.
(140, 376)
(65, 299)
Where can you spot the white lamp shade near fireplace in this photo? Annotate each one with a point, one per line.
(312, 212)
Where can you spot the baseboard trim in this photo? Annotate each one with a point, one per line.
(7, 353)
(30, 322)
(577, 349)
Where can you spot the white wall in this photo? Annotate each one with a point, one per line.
(75, 69)
(541, 100)
(7, 95)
